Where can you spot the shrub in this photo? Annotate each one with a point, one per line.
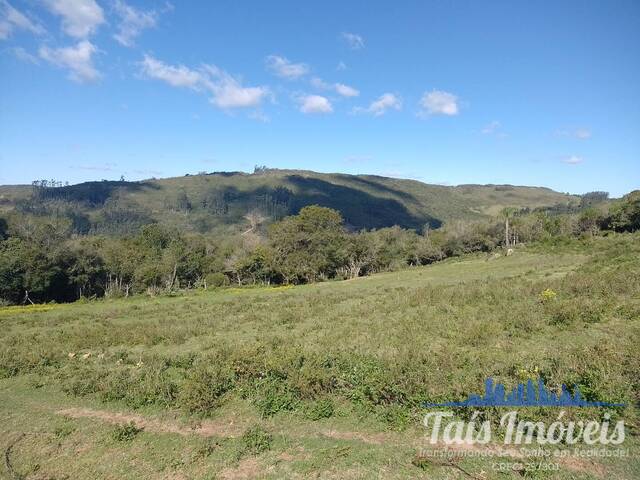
(422, 462)
(322, 408)
(397, 417)
(140, 387)
(217, 279)
(368, 381)
(80, 387)
(126, 432)
(564, 313)
(273, 395)
(255, 440)
(21, 359)
(203, 390)
(574, 310)
(206, 448)
(80, 381)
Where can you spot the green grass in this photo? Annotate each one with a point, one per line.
(319, 380)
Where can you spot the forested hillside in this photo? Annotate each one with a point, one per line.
(220, 202)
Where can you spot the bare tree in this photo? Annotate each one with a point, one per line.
(255, 219)
(507, 214)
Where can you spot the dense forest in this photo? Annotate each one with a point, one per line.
(47, 258)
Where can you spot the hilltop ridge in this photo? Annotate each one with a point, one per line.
(220, 200)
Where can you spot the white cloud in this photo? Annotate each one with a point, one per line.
(341, 89)
(229, 93)
(573, 160)
(259, 116)
(315, 104)
(319, 83)
(132, 22)
(12, 19)
(355, 41)
(346, 91)
(491, 127)
(77, 59)
(380, 106)
(282, 67)
(226, 91)
(341, 66)
(579, 133)
(23, 55)
(494, 128)
(583, 133)
(80, 18)
(176, 76)
(438, 102)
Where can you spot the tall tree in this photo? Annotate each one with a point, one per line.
(308, 246)
(507, 214)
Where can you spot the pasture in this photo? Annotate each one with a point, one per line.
(318, 381)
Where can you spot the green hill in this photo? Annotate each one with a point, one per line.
(220, 200)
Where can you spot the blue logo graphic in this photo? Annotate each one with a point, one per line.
(531, 395)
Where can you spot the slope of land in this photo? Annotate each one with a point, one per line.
(221, 200)
(333, 374)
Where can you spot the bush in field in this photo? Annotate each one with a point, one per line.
(203, 389)
(273, 394)
(322, 408)
(126, 432)
(139, 387)
(82, 382)
(254, 441)
(397, 417)
(23, 357)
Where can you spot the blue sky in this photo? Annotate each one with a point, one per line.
(532, 93)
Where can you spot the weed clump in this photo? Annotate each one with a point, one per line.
(420, 461)
(548, 295)
(64, 430)
(126, 432)
(254, 441)
(203, 390)
(139, 387)
(319, 409)
(273, 395)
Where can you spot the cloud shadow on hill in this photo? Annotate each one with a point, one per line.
(94, 194)
(359, 209)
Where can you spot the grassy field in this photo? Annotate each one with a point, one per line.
(318, 381)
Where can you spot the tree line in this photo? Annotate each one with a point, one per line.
(44, 259)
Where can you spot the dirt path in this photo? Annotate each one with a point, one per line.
(231, 428)
(206, 428)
